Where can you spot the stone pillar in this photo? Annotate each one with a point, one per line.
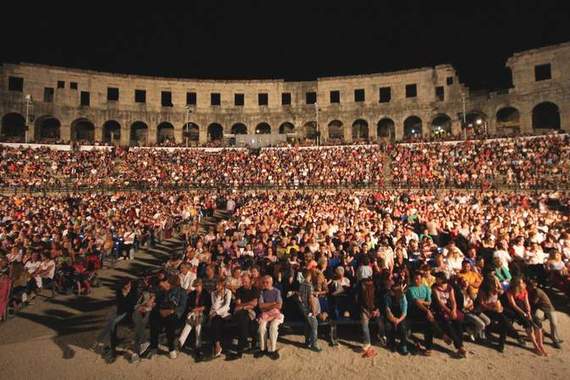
(324, 129)
(565, 118)
(98, 132)
(178, 135)
(203, 137)
(347, 132)
(492, 126)
(125, 136)
(65, 132)
(426, 126)
(399, 131)
(456, 127)
(31, 132)
(151, 137)
(373, 132)
(525, 121)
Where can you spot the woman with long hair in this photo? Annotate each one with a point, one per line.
(520, 311)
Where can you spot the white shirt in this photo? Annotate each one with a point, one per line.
(503, 256)
(186, 280)
(221, 304)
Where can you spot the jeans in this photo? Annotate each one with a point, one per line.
(453, 329)
(156, 324)
(109, 333)
(479, 321)
(364, 321)
(551, 316)
(502, 324)
(400, 331)
(273, 332)
(140, 321)
(243, 323)
(311, 331)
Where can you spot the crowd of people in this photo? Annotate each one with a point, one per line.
(527, 162)
(530, 163)
(455, 265)
(59, 242)
(458, 266)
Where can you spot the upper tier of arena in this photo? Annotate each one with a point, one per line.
(62, 104)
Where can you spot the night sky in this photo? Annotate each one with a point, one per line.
(284, 39)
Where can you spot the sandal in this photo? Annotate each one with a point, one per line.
(369, 353)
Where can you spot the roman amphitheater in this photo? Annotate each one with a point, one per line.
(61, 105)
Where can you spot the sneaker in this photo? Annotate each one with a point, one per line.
(258, 354)
(472, 338)
(97, 347)
(315, 348)
(110, 358)
(556, 345)
(234, 356)
(273, 355)
(135, 358)
(144, 347)
(149, 353)
(404, 350)
(173, 354)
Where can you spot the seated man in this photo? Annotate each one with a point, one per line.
(396, 309)
(169, 307)
(312, 309)
(419, 299)
(244, 311)
(270, 304)
(369, 302)
(198, 309)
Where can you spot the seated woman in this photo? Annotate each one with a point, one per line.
(198, 305)
(489, 303)
(219, 313)
(520, 311)
(558, 272)
(448, 317)
(475, 321)
(502, 273)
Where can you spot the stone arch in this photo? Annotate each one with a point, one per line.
(239, 129)
(164, 132)
(336, 130)
(48, 129)
(386, 129)
(13, 127)
(441, 125)
(191, 133)
(215, 132)
(111, 132)
(475, 122)
(310, 130)
(139, 134)
(83, 130)
(263, 129)
(360, 130)
(286, 128)
(413, 127)
(546, 115)
(508, 120)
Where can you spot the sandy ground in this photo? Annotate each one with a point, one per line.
(51, 340)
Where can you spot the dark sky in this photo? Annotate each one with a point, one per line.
(284, 39)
